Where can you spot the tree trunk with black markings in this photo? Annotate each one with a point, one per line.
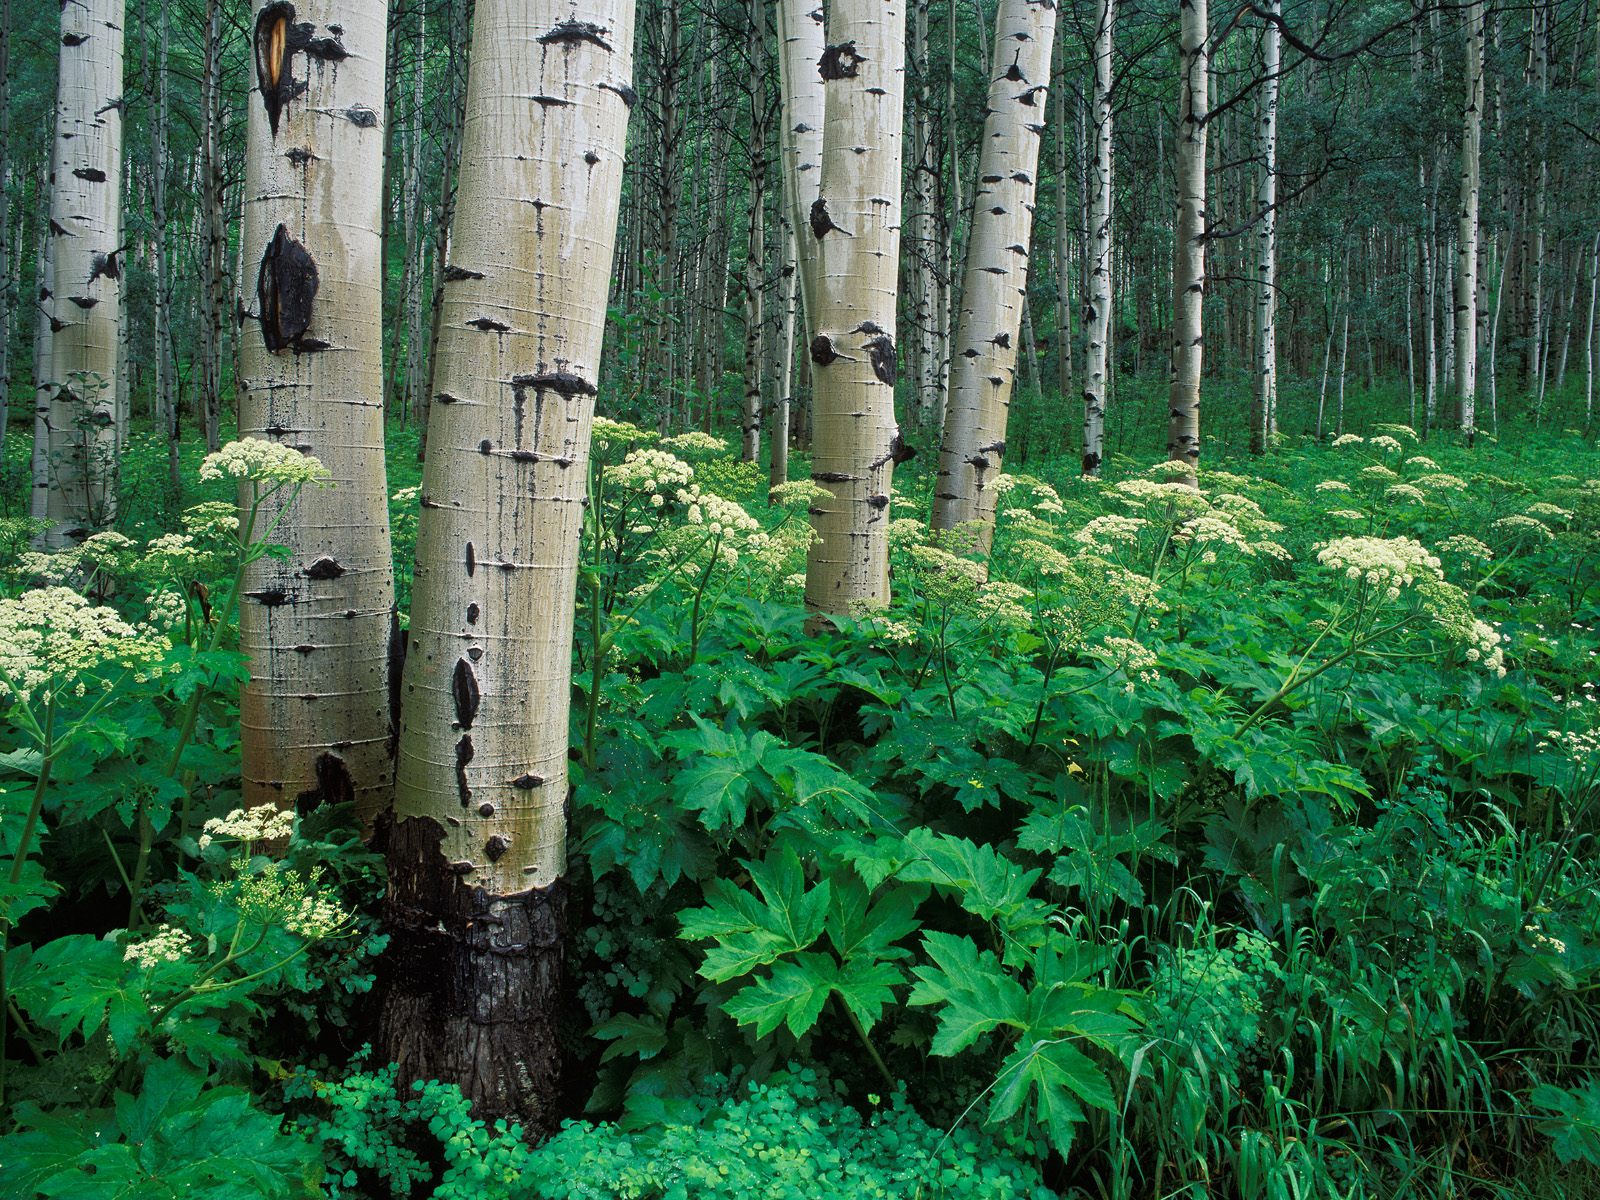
(1097, 294)
(1189, 250)
(854, 227)
(996, 286)
(477, 841)
(43, 360)
(1466, 281)
(1264, 395)
(318, 624)
(86, 293)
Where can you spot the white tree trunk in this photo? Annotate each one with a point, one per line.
(855, 235)
(1466, 282)
(1097, 313)
(1589, 332)
(86, 300)
(1189, 248)
(319, 624)
(477, 846)
(995, 290)
(1264, 395)
(43, 363)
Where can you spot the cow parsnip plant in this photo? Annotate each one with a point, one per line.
(1232, 839)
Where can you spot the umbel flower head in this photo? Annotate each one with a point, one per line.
(53, 641)
(264, 462)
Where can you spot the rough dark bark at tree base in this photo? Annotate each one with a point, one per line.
(471, 981)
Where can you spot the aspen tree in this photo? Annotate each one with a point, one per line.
(800, 46)
(317, 624)
(789, 301)
(995, 288)
(85, 302)
(214, 230)
(1264, 393)
(1466, 280)
(855, 230)
(39, 465)
(755, 233)
(477, 843)
(1097, 300)
(1189, 249)
(6, 190)
(922, 232)
(166, 397)
(1589, 332)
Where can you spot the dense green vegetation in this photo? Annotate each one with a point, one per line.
(1231, 843)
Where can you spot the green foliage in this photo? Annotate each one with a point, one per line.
(793, 1137)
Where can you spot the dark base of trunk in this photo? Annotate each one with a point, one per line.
(471, 981)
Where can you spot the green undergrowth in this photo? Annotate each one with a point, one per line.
(1235, 843)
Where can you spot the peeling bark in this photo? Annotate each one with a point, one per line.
(316, 713)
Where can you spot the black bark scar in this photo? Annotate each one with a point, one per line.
(286, 289)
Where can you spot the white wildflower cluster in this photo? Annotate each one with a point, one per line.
(1105, 533)
(175, 556)
(1333, 485)
(1042, 557)
(1519, 526)
(1180, 498)
(695, 445)
(1348, 439)
(166, 615)
(1421, 462)
(1170, 469)
(1581, 746)
(880, 628)
(607, 435)
(1040, 496)
(734, 529)
(220, 518)
(1385, 443)
(1404, 493)
(905, 532)
(1386, 565)
(279, 895)
(1549, 512)
(53, 640)
(1442, 481)
(1467, 547)
(1378, 473)
(1213, 531)
(799, 493)
(105, 553)
(1485, 646)
(265, 462)
(1000, 602)
(1026, 522)
(1348, 514)
(1396, 430)
(264, 823)
(1136, 661)
(1274, 550)
(166, 944)
(1542, 941)
(652, 473)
